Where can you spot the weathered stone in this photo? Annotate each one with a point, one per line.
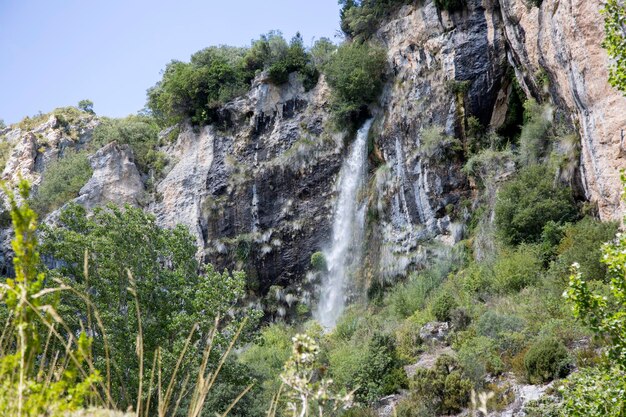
(434, 332)
(562, 40)
(115, 178)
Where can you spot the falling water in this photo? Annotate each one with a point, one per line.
(347, 236)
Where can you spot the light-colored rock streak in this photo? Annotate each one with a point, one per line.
(183, 189)
(115, 178)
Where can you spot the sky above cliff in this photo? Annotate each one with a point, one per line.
(55, 53)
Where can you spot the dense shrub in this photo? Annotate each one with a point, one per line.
(215, 75)
(406, 298)
(435, 144)
(442, 306)
(444, 388)
(197, 89)
(361, 18)
(373, 369)
(413, 406)
(273, 53)
(528, 202)
(517, 269)
(140, 132)
(582, 243)
(494, 325)
(62, 181)
(479, 356)
(355, 75)
(265, 359)
(546, 359)
(318, 261)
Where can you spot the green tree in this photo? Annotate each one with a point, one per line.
(62, 181)
(606, 316)
(195, 90)
(528, 202)
(355, 74)
(86, 106)
(321, 52)
(122, 242)
(361, 18)
(615, 41)
(140, 132)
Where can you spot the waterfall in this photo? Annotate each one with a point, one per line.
(347, 235)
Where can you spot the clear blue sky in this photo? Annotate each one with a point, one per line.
(54, 53)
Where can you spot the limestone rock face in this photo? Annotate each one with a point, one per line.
(115, 178)
(562, 39)
(257, 187)
(181, 192)
(34, 148)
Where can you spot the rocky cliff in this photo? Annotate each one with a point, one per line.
(257, 188)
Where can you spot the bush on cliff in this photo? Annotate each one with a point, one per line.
(528, 202)
(361, 18)
(216, 75)
(140, 132)
(196, 89)
(62, 181)
(355, 73)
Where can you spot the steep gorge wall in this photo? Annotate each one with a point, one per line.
(257, 188)
(563, 38)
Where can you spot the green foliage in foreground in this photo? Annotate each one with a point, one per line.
(599, 391)
(62, 181)
(594, 392)
(125, 248)
(25, 390)
(615, 41)
(355, 73)
(604, 315)
(528, 202)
